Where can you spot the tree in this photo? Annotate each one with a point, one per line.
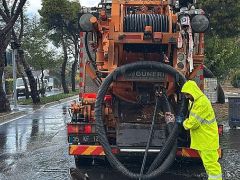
(38, 55)
(72, 28)
(224, 16)
(21, 60)
(62, 15)
(5, 35)
(222, 44)
(52, 13)
(222, 56)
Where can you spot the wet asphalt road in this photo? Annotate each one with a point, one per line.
(34, 147)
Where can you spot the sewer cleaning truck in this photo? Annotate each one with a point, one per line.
(135, 56)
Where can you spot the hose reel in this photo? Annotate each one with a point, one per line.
(137, 22)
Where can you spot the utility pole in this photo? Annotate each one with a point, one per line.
(3, 82)
(3, 76)
(14, 46)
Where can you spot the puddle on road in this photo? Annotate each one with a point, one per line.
(20, 139)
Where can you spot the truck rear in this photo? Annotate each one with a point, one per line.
(135, 57)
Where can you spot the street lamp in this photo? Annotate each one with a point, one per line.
(14, 46)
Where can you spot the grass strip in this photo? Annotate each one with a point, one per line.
(48, 99)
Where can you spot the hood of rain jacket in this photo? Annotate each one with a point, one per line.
(192, 88)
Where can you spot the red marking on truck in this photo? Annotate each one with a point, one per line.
(81, 55)
(81, 34)
(86, 150)
(97, 150)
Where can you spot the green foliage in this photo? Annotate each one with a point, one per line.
(222, 56)
(35, 44)
(52, 13)
(9, 86)
(55, 13)
(8, 72)
(61, 15)
(224, 16)
(222, 40)
(235, 79)
(45, 100)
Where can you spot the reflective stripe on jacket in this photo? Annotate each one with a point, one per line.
(201, 121)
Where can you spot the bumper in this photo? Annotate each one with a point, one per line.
(21, 91)
(89, 150)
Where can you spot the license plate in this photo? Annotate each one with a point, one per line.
(83, 138)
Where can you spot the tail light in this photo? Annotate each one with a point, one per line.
(87, 129)
(75, 128)
(220, 129)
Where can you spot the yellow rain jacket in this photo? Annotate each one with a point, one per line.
(201, 121)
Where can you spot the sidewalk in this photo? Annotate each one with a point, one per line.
(229, 89)
(26, 109)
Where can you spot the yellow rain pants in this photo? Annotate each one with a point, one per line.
(211, 164)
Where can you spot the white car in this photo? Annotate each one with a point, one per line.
(20, 87)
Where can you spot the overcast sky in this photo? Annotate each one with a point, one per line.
(36, 4)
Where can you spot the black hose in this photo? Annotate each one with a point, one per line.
(167, 161)
(171, 127)
(93, 62)
(164, 151)
(100, 125)
(149, 137)
(137, 22)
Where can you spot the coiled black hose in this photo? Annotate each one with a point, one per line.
(137, 22)
(165, 150)
(150, 136)
(170, 156)
(100, 125)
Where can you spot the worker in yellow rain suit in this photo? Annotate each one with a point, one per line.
(203, 129)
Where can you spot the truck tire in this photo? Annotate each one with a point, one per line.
(207, 73)
(76, 174)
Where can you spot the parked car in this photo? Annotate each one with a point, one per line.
(20, 88)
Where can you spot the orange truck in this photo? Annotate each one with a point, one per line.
(134, 58)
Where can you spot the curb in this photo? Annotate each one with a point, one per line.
(59, 101)
(12, 115)
(16, 114)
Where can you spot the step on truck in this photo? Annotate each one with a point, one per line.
(135, 57)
